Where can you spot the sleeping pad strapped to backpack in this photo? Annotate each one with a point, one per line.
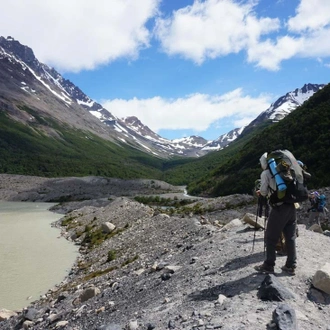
(288, 171)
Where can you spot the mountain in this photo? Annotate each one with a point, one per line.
(25, 78)
(22, 74)
(26, 81)
(224, 140)
(49, 127)
(304, 131)
(192, 146)
(286, 104)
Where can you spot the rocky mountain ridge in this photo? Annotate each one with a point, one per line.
(29, 82)
(199, 273)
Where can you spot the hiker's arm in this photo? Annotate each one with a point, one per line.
(264, 185)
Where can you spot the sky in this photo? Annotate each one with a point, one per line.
(183, 67)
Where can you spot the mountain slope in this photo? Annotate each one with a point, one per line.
(305, 132)
(36, 85)
(22, 73)
(51, 128)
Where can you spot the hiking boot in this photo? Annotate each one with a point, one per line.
(289, 270)
(264, 269)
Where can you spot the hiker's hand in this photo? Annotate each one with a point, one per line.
(258, 192)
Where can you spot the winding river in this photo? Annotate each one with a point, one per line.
(33, 255)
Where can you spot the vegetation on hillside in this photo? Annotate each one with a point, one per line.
(28, 150)
(305, 132)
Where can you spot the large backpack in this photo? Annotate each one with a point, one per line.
(292, 188)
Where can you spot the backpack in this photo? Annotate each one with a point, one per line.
(289, 178)
(321, 202)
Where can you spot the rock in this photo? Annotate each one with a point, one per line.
(232, 224)
(108, 227)
(284, 317)
(253, 220)
(132, 325)
(30, 314)
(61, 324)
(27, 324)
(315, 227)
(273, 290)
(6, 314)
(321, 279)
(89, 293)
(54, 317)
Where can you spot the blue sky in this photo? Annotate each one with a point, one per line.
(183, 67)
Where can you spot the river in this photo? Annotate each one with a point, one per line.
(33, 255)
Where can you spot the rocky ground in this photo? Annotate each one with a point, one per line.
(151, 269)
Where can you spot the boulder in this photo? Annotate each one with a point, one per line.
(321, 279)
(272, 289)
(284, 317)
(253, 220)
(6, 314)
(108, 227)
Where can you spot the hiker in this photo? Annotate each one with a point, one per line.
(263, 205)
(317, 209)
(282, 218)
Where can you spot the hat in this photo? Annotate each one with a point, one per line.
(300, 163)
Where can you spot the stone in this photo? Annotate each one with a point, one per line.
(285, 317)
(108, 227)
(6, 314)
(321, 279)
(89, 293)
(253, 220)
(272, 289)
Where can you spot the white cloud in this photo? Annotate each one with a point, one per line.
(79, 34)
(83, 34)
(197, 111)
(310, 37)
(212, 28)
(311, 15)
(269, 54)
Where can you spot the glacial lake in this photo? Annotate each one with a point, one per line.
(33, 255)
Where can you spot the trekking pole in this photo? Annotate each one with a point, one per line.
(265, 224)
(255, 227)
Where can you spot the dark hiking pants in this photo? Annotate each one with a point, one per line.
(281, 218)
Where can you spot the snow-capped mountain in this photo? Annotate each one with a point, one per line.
(286, 104)
(24, 77)
(224, 140)
(26, 81)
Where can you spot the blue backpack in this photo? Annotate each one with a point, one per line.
(321, 202)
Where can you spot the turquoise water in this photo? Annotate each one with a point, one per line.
(33, 255)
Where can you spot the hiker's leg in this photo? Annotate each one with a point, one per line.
(290, 235)
(273, 232)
